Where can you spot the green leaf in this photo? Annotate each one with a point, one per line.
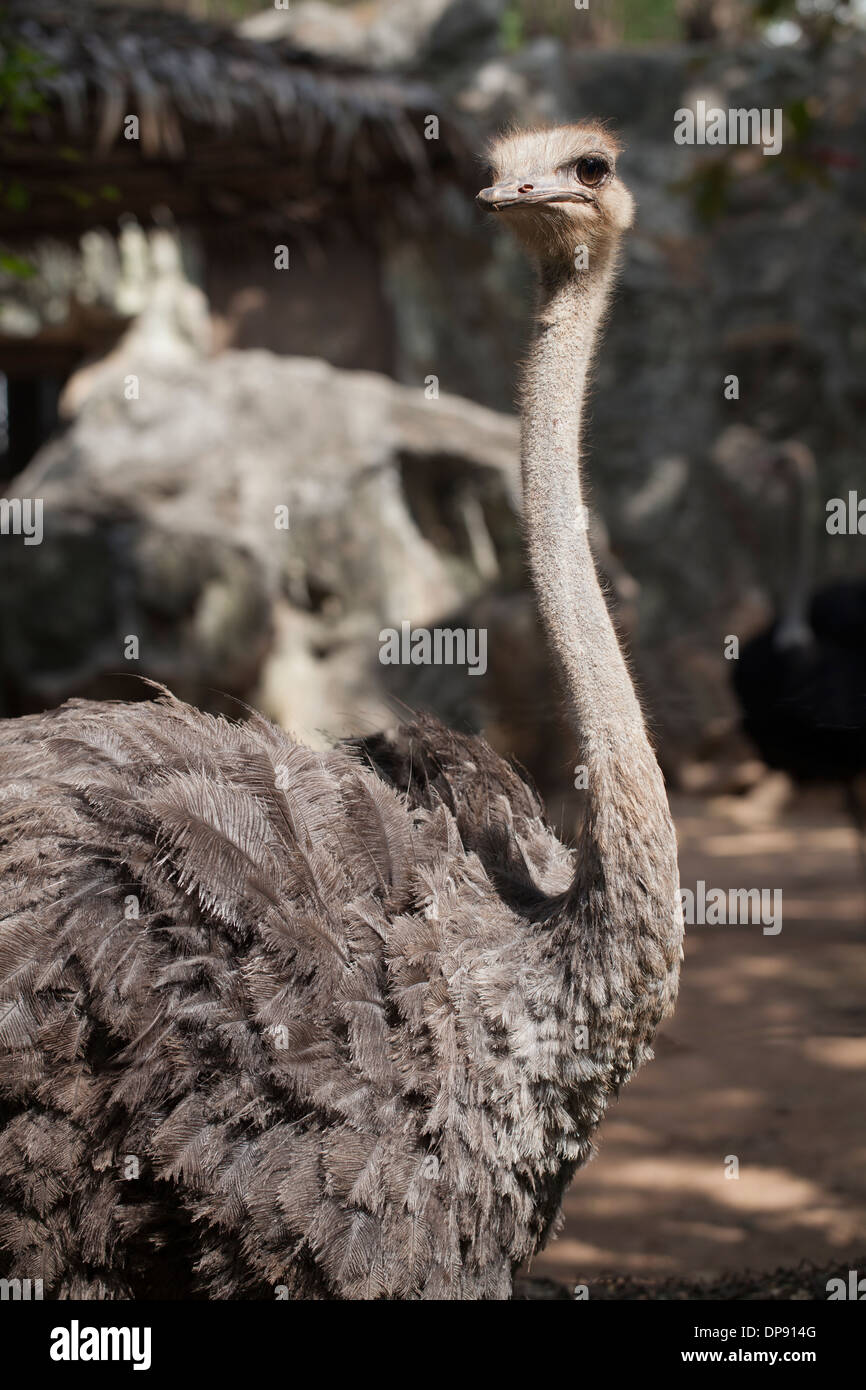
(17, 266)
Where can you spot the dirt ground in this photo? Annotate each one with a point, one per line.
(764, 1062)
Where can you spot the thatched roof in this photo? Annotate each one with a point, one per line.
(229, 128)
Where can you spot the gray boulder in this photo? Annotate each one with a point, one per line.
(250, 517)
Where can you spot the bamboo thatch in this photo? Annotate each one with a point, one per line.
(228, 128)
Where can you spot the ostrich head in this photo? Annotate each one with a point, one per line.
(558, 189)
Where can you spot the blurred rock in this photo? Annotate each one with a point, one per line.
(386, 33)
(163, 523)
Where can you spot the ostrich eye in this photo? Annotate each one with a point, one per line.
(592, 171)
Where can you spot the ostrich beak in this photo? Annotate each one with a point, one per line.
(511, 195)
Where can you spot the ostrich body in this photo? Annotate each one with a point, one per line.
(341, 1024)
(801, 682)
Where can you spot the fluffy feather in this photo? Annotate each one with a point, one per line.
(301, 1005)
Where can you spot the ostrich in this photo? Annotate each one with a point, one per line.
(340, 1024)
(801, 682)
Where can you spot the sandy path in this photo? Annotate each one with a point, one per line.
(765, 1060)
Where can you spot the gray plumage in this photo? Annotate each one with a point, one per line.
(340, 1024)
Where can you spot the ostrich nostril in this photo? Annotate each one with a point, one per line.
(525, 188)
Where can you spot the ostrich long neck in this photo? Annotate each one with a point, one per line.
(794, 628)
(624, 786)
